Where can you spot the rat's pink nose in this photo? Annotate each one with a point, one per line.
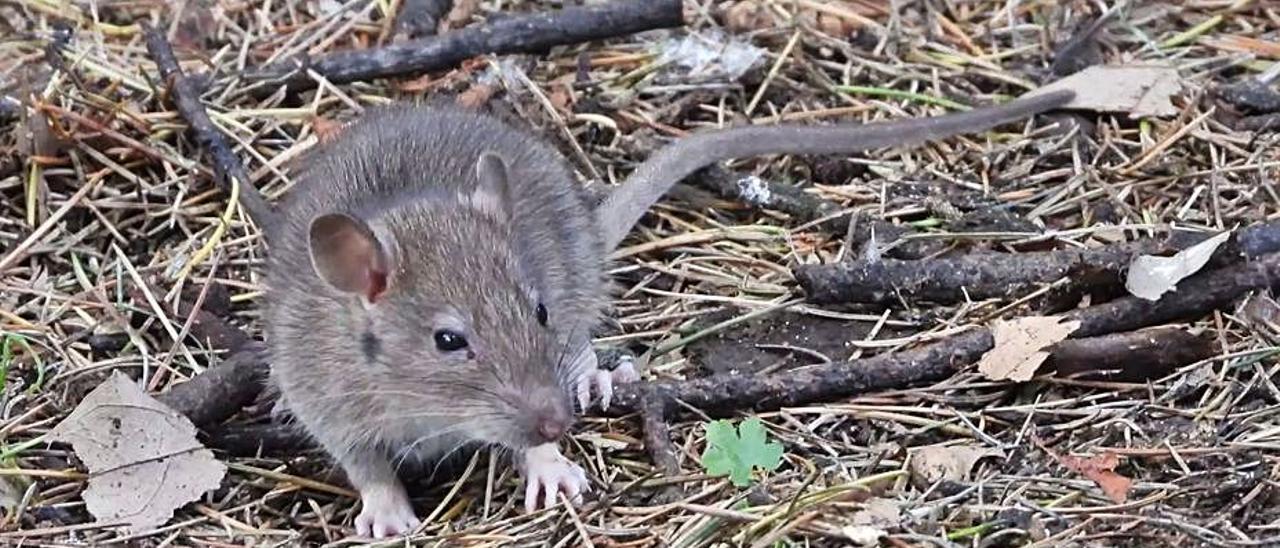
(550, 429)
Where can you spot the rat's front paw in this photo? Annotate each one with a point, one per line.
(549, 472)
(601, 381)
(386, 513)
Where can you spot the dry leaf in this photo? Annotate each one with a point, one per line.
(325, 128)
(869, 525)
(936, 463)
(1100, 469)
(561, 98)
(475, 96)
(828, 23)
(877, 512)
(459, 16)
(1151, 276)
(1243, 44)
(1140, 90)
(426, 82)
(12, 488)
(746, 16)
(1020, 346)
(864, 535)
(196, 23)
(37, 137)
(1262, 312)
(144, 458)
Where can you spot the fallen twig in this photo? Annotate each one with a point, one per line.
(1134, 356)
(516, 34)
(206, 403)
(807, 208)
(249, 440)
(186, 96)
(419, 18)
(723, 394)
(1261, 123)
(1003, 275)
(222, 390)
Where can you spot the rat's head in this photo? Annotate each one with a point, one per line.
(453, 331)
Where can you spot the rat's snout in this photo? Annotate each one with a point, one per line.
(548, 417)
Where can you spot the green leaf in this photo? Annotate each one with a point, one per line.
(736, 452)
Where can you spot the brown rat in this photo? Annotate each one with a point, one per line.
(434, 277)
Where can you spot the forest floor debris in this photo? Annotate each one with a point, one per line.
(108, 207)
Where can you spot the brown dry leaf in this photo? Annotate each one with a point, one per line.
(1243, 44)
(1262, 312)
(867, 526)
(144, 458)
(828, 23)
(12, 488)
(1100, 469)
(561, 98)
(420, 84)
(935, 463)
(878, 512)
(325, 128)
(746, 16)
(838, 19)
(459, 16)
(1020, 346)
(37, 137)
(195, 23)
(1140, 90)
(475, 96)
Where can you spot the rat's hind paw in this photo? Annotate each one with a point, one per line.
(549, 472)
(385, 513)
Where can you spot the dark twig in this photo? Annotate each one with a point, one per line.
(1251, 96)
(419, 18)
(186, 96)
(1261, 123)
(516, 34)
(1135, 356)
(807, 208)
(222, 390)
(657, 435)
(1195, 297)
(1082, 50)
(992, 275)
(250, 440)
(722, 394)
(759, 193)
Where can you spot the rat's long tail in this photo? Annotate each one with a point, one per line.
(624, 207)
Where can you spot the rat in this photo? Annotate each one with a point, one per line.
(434, 276)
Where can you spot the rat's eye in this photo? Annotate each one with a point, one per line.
(541, 313)
(448, 341)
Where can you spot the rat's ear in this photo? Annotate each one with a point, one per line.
(347, 255)
(494, 188)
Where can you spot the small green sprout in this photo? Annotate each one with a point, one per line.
(735, 452)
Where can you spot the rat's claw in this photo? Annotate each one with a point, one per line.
(600, 381)
(584, 391)
(625, 372)
(603, 380)
(549, 472)
(386, 513)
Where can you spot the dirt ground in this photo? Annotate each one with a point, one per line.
(110, 217)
